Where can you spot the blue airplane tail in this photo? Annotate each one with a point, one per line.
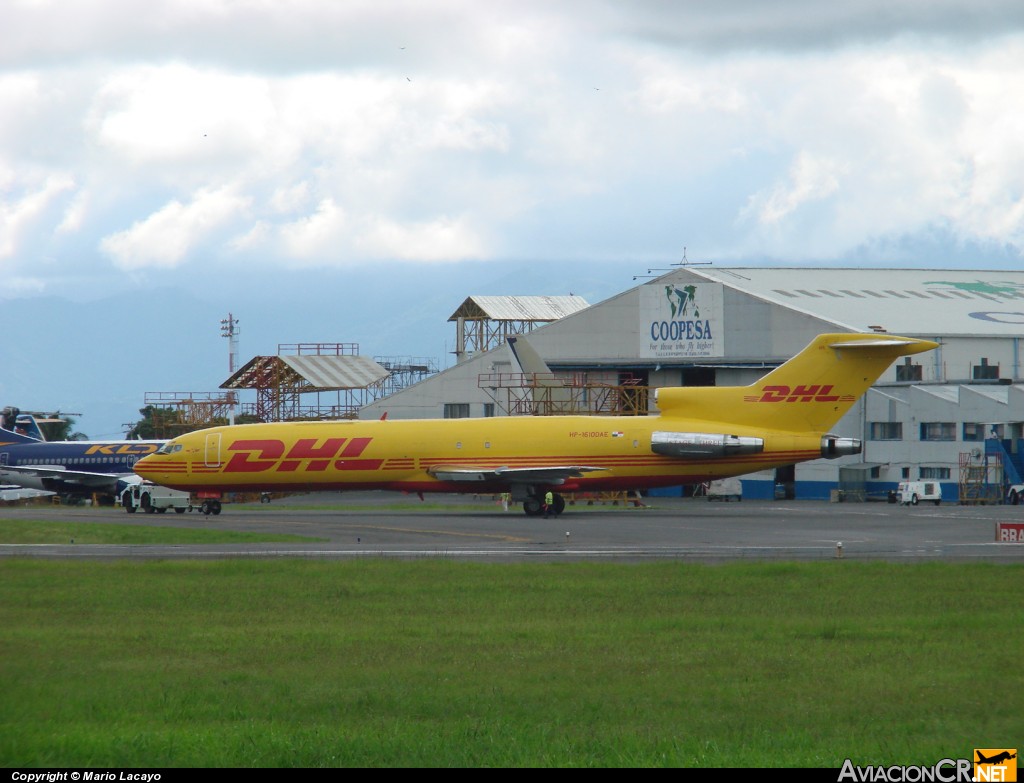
(15, 424)
(7, 437)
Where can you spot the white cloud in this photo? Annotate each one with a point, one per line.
(21, 212)
(327, 135)
(810, 179)
(331, 234)
(165, 238)
(442, 239)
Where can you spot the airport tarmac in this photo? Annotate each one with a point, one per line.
(372, 524)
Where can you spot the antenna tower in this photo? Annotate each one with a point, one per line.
(229, 329)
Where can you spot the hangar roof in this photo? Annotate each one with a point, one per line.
(313, 373)
(900, 301)
(519, 308)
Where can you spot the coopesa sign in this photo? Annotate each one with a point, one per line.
(681, 330)
(680, 320)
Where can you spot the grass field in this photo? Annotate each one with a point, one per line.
(442, 664)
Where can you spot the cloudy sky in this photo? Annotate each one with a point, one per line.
(238, 144)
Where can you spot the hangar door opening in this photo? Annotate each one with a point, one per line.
(785, 482)
(698, 376)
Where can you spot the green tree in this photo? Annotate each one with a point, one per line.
(153, 423)
(54, 426)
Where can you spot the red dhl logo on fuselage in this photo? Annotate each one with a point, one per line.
(252, 456)
(813, 393)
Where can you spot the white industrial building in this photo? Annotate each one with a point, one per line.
(955, 414)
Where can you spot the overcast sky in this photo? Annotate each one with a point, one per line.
(173, 141)
(292, 135)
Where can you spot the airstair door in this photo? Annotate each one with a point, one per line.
(212, 454)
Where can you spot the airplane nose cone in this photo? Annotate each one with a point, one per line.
(143, 467)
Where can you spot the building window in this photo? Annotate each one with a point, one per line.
(934, 473)
(488, 409)
(985, 371)
(905, 473)
(456, 410)
(886, 430)
(875, 472)
(974, 431)
(938, 430)
(908, 371)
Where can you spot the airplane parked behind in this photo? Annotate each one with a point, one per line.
(77, 468)
(702, 434)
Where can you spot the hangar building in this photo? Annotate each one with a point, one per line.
(954, 415)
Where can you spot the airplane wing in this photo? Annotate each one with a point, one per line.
(57, 479)
(556, 474)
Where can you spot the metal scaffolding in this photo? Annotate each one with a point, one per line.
(551, 394)
(981, 478)
(485, 322)
(310, 381)
(175, 413)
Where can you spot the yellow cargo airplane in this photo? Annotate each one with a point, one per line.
(702, 433)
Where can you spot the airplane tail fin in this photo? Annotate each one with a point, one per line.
(529, 361)
(7, 438)
(549, 392)
(18, 423)
(811, 391)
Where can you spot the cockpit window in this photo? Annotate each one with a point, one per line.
(169, 448)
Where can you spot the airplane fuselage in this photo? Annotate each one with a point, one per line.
(701, 433)
(71, 467)
(415, 455)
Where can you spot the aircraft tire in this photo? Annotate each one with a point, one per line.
(215, 507)
(558, 504)
(532, 507)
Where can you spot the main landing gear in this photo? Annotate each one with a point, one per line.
(533, 506)
(208, 507)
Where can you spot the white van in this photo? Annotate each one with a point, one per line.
(910, 493)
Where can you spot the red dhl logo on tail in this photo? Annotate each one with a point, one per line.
(310, 454)
(813, 393)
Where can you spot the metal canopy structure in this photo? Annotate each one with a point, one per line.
(174, 413)
(484, 322)
(282, 383)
